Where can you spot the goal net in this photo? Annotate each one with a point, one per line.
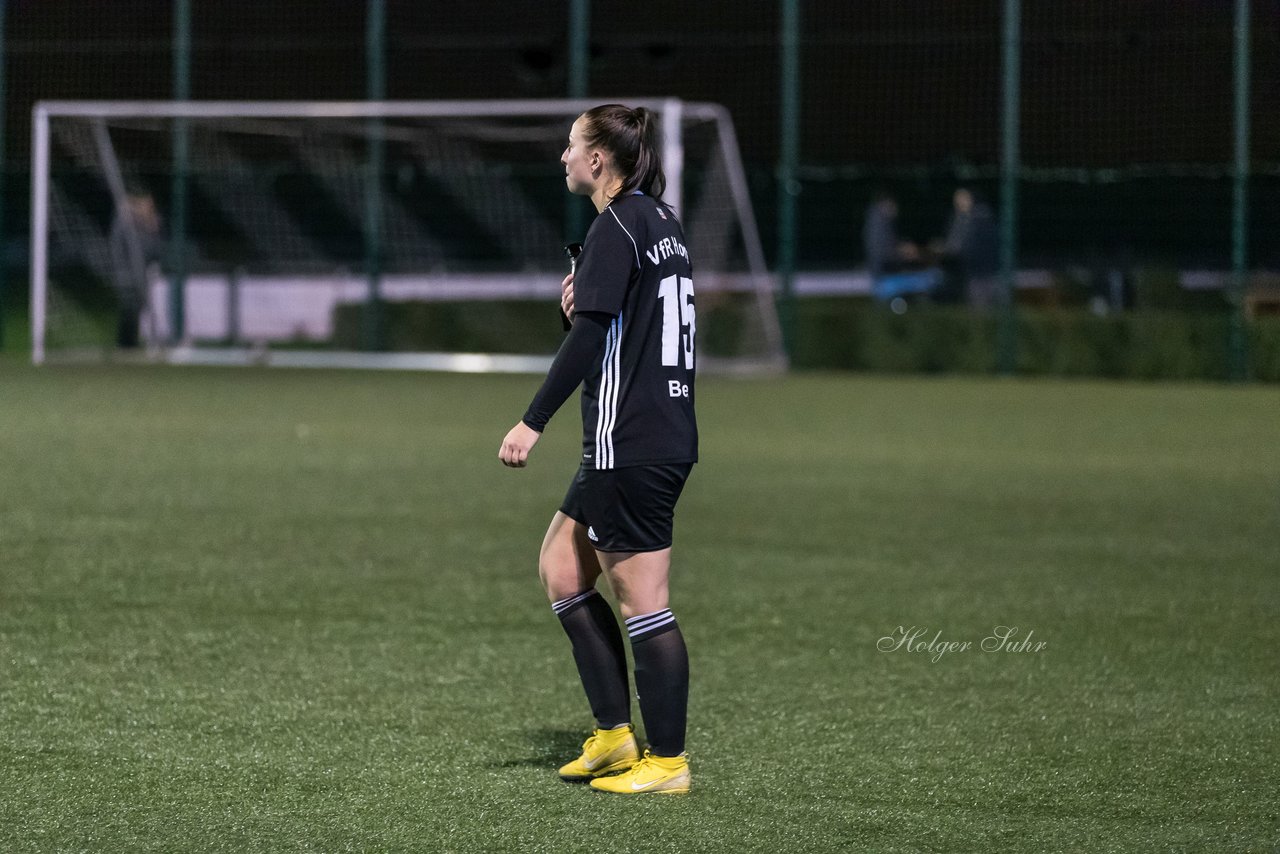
(379, 234)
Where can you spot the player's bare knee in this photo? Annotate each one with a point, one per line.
(556, 577)
(635, 600)
(562, 574)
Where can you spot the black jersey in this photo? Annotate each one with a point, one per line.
(637, 403)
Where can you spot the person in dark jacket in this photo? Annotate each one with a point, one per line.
(895, 265)
(970, 252)
(136, 244)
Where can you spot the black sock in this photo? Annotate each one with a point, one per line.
(597, 648)
(662, 679)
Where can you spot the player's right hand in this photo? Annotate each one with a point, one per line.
(519, 441)
(566, 296)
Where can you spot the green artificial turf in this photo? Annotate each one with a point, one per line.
(283, 611)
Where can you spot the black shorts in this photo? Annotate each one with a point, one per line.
(629, 509)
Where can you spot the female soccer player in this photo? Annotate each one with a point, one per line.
(631, 348)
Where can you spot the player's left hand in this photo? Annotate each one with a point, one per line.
(566, 296)
(516, 447)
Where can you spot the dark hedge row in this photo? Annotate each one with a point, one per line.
(856, 334)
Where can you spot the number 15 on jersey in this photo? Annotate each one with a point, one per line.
(678, 323)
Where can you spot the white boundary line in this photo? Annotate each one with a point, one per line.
(463, 363)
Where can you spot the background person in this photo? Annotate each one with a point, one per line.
(970, 251)
(895, 265)
(136, 244)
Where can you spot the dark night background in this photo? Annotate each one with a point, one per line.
(1126, 105)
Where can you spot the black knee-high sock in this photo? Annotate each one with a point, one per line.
(662, 679)
(597, 648)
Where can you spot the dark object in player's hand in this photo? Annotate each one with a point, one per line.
(571, 251)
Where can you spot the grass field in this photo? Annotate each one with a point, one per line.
(289, 611)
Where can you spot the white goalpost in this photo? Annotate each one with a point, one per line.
(399, 234)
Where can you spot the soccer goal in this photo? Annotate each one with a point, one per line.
(424, 234)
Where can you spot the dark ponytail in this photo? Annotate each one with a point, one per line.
(631, 138)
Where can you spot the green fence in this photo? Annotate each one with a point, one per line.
(1115, 144)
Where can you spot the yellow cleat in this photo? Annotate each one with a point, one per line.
(606, 751)
(668, 775)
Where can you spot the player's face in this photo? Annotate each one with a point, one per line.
(579, 163)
